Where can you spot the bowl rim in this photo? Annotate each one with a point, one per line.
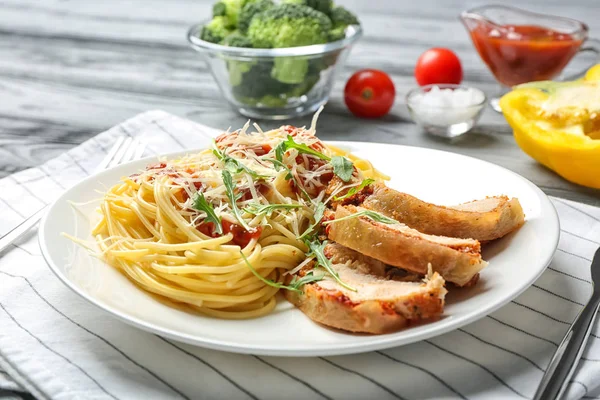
(353, 33)
(422, 89)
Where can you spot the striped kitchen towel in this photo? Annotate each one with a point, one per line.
(54, 345)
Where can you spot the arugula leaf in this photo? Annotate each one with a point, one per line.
(234, 165)
(310, 277)
(342, 167)
(229, 187)
(317, 249)
(355, 189)
(267, 209)
(269, 281)
(373, 215)
(319, 212)
(218, 153)
(279, 150)
(201, 204)
(289, 143)
(277, 163)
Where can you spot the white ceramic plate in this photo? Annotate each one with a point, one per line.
(515, 261)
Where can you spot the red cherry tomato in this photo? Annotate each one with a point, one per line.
(369, 93)
(438, 65)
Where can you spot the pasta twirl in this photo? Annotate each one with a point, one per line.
(174, 231)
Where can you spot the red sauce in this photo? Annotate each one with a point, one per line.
(345, 300)
(523, 53)
(260, 188)
(260, 150)
(314, 164)
(162, 169)
(223, 136)
(388, 308)
(156, 166)
(318, 146)
(329, 216)
(241, 236)
(199, 188)
(290, 129)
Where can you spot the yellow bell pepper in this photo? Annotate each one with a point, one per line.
(563, 136)
(593, 74)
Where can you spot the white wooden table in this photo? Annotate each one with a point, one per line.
(70, 69)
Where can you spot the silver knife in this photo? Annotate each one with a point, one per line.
(564, 361)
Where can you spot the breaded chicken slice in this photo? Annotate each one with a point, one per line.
(378, 305)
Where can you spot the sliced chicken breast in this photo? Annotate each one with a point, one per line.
(456, 260)
(484, 220)
(378, 305)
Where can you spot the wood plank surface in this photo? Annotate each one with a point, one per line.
(70, 69)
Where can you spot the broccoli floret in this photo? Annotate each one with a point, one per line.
(341, 18)
(289, 69)
(219, 9)
(250, 10)
(259, 88)
(338, 33)
(237, 68)
(257, 82)
(236, 39)
(273, 101)
(216, 30)
(320, 5)
(289, 25)
(304, 87)
(265, 101)
(230, 9)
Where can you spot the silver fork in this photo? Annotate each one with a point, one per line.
(122, 151)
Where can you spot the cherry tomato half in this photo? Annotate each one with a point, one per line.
(369, 93)
(438, 65)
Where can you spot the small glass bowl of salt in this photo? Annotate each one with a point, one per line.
(446, 110)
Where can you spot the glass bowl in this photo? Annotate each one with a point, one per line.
(275, 83)
(445, 120)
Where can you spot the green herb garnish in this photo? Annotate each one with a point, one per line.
(201, 204)
(319, 212)
(267, 209)
(278, 164)
(375, 216)
(278, 285)
(234, 165)
(310, 277)
(317, 250)
(355, 189)
(229, 187)
(342, 167)
(279, 151)
(302, 148)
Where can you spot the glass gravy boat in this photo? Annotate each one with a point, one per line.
(520, 46)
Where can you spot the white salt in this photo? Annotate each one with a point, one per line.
(445, 107)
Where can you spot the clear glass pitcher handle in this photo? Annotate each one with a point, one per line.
(589, 46)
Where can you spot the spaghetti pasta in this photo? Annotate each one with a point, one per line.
(218, 229)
